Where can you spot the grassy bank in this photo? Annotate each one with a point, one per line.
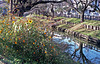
(78, 28)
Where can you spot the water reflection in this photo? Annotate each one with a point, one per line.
(81, 57)
(82, 52)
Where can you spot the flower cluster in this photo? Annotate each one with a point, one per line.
(27, 38)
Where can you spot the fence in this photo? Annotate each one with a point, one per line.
(78, 16)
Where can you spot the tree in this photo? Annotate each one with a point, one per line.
(81, 6)
(81, 57)
(28, 6)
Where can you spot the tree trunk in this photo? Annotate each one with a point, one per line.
(82, 17)
(10, 8)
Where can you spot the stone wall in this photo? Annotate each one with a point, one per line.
(91, 27)
(78, 35)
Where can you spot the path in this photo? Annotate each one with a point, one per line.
(76, 27)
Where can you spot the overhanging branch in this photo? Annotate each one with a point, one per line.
(44, 2)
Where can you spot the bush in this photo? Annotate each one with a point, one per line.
(28, 41)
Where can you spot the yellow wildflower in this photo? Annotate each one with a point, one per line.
(45, 51)
(49, 36)
(10, 34)
(30, 21)
(43, 44)
(13, 21)
(8, 31)
(3, 21)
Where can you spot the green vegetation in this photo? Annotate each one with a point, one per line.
(24, 40)
(92, 33)
(78, 28)
(59, 18)
(73, 20)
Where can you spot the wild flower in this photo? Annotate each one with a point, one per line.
(30, 21)
(24, 41)
(52, 47)
(33, 43)
(13, 17)
(7, 24)
(13, 21)
(19, 38)
(0, 31)
(45, 51)
(6, 46)
(3, 38)
(45, 33)
(15, 42)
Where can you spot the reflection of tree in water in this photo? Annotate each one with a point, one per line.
(82, 57)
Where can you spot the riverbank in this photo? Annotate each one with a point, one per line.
(89, 30)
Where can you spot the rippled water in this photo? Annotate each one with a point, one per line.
(85, 53)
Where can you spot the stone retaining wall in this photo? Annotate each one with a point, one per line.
(78, 35)
(87, 26)
(91, 27)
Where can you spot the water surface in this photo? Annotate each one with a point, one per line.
(82, 52)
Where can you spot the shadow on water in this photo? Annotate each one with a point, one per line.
(83, 52)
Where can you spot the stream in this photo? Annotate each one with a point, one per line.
(83, 52)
